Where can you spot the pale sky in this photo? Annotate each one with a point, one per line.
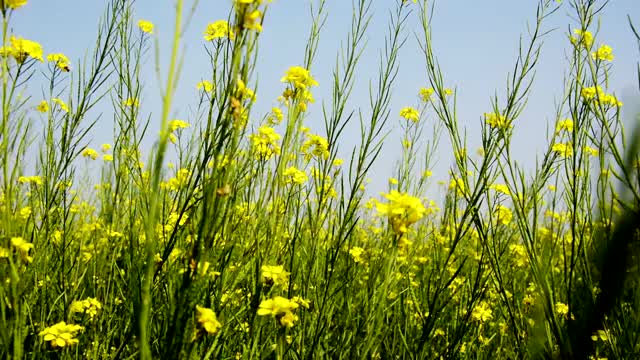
(476, 43)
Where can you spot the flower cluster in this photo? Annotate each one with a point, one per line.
(89, 306)
(265, 142)
(402, 210)
(282, 309)
(61, 334)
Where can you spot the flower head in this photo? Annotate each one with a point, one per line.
(402, 210)
(218, 30)
(61, 334)
(145, 26)
(60, 60)
(14, 4)
(22, 48)
(207, 320)
(299, 77)
(410, 114)
(604, 53)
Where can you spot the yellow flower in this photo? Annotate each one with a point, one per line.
(288, 319)
(265, 142)
(564, 125)
(60, 60)
(105, 147)
(107, 157)
(604, 53)
(425, 94)
(356, 253)
(61, 334)
(299, 77)
(561, 309)
(205, 85)
(252, 20)
(582, 38)
(402, 210)
(207, 319)
(482, 312)
(496, 120)
(14, 4)
(457, 184)
(564, 150)
(503, 215)
(131, 102)
(145, 26)
(63, 106)
(591, 151)
(410, 114)
(315, 145)
(276, 116)
(218, 30)
(36, 180)
(500, 188)
(275, 274)
(178, 124)
(23, 247)
(25, 212)
(89, 306)
(91, 153)
(22, 48)
(276, 306)
(294, 176)
(43, 107)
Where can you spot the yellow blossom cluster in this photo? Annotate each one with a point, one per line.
(402, 210)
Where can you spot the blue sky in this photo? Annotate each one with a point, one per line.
(476, 43)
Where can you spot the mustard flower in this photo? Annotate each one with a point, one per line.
(276, 306)
(561, 309)
(36, 180)
(25, 212)
(564, 125)
(61, 334)
(90, 153)
(22, 48)
(294, 176)
(564, 150)
(178, 125)
(145, 26)
(410, 114)
(60, 60)
(218, 30)
(105, 147)
(15, 4)
(275, 275)
(582, 38)
(315, 145)
(90, 306)
(496, 120)
(604, 53)
(252, 20)
(356, 253)
(425, 94)
(590, 151)
(503, 215)
(299, 77)
(131, 102)
(402, 210)
(276, 116)
(500, 188)
(63, 106)
(207, 319)
(43, 106)
(265, 142)
(205, 85)
(457, 184)
(23, 248)
(482, 312)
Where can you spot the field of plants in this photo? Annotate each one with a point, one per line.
(247, 235)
